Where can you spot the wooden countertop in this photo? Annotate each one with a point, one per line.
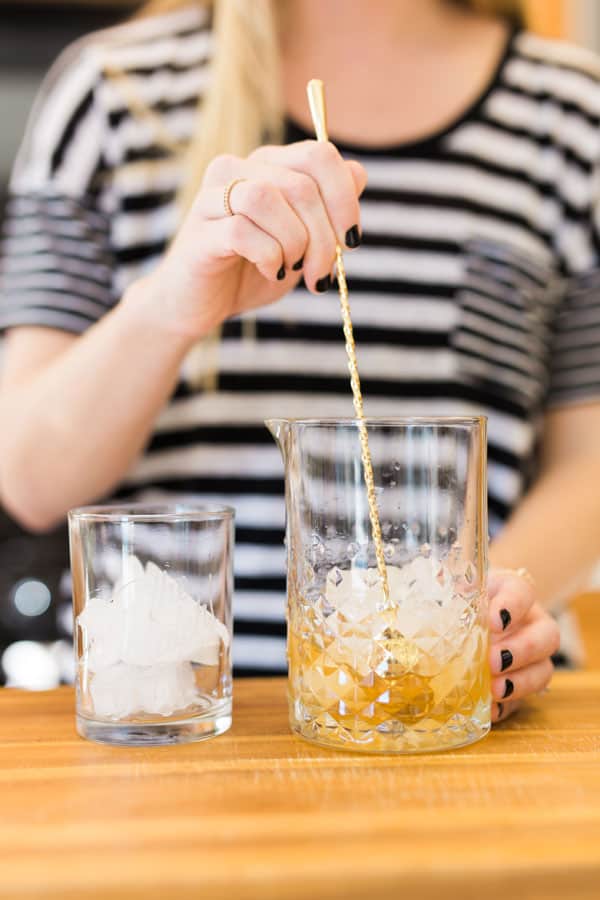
(259, 813)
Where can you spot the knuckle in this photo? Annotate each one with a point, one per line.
(220, 167)
(259, 193)
(319, 152)
(256, 193)
(309, 147)
(328, 152)
(302, 188)
(262, 151)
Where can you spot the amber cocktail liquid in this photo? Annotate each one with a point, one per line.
(416, 679)
(408, 672)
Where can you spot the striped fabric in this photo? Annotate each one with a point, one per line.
(475, 290)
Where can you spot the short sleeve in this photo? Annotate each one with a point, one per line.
(575, 351)
(575, 358)
(56, 266)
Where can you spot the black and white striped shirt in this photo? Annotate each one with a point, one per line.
(475, 290)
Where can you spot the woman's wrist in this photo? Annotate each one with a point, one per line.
(143, 306)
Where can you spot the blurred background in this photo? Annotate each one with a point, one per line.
(35, 593)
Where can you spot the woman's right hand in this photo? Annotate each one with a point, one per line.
(290, 207)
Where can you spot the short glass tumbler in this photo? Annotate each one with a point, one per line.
(152, 593)
(409, 672)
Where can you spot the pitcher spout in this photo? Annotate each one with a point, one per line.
(280, 429)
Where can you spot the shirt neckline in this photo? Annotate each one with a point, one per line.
(429, 142)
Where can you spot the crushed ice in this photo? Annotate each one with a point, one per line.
(429, 610)
(139, 646)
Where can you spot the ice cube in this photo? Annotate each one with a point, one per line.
(352, 598)
(102, 631)
(122, 690)
(149, 620)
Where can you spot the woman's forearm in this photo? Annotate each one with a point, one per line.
(72, 428)
(555, 532)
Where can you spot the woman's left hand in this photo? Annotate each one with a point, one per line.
(523, 637)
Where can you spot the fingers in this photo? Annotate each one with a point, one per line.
(359, 175)
(288, 206)
(504, 709)
(305, 196)
(265, 205)
(523, 638)
(530, 680)
(335, 179)
(533, 643)
(511, 598)
(222, 169)
(238, 236)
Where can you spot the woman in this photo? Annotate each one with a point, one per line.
(471, 292)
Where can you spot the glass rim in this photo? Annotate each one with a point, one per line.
(151, 512)
(431, 421)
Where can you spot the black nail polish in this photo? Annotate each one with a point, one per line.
(353, 237)
(500, 710)
(506, 618)
(281, 274)
(298, 265)
(323, 284)
(507, 659)
(508, 688)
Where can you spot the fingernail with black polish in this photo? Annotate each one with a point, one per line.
(500, 710)
(508, 688)
(353, 237)
(506, 618)
(323, 284)
(507, 659)
(298, 265)
(281, 274)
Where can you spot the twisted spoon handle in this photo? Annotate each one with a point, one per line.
(318, 111)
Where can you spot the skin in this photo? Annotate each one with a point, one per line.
(428, 61)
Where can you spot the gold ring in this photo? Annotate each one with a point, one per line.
(227, 195)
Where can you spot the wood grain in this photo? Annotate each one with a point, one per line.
(261, 813)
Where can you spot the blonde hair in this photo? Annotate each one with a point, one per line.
(243, 107)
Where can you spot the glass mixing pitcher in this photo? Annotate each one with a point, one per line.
(408, 672)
